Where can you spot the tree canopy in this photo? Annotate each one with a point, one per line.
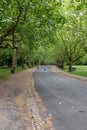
(43, 32)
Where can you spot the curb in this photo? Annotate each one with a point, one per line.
(58, 71)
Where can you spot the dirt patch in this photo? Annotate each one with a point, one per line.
(13, 107)
(20, 104)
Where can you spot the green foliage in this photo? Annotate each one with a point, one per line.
(84, 60)
(5, 57)
(47, 32)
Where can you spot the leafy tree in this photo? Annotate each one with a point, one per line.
(71, 32)
(44, 31)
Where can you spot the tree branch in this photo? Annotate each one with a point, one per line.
(64, 45)
(13, 27)
(78, 57)
(6, 46)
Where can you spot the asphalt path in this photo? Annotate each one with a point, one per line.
(65, 99)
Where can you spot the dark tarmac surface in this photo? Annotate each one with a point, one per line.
(65, 99)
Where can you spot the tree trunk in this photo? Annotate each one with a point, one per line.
(70, 65)
(14, 62)
(2, 65)
(22, 62)
(39, 62)
(62, 64)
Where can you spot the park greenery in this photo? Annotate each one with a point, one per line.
(81, 70)
(38, 32)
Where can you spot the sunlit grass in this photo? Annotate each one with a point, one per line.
(80, 70)
(5, 73)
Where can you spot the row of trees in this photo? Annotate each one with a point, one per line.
(43, 32)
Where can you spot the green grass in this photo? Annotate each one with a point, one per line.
(5, 73)
(80, 70)
(19, 69)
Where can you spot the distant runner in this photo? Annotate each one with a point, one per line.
(45, 68)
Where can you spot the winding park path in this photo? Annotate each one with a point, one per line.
(65, 98)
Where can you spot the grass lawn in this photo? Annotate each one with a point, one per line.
(5, 73)
(80, 70)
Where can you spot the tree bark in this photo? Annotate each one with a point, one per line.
(14, 62)
(62, 64)
(70, 65)
(2, 65)
(22, 62)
